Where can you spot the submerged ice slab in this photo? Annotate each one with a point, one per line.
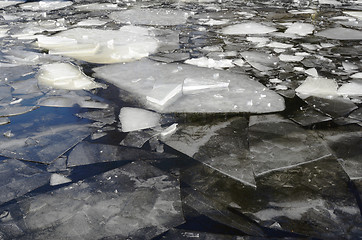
(242, 94)
(133, 119)
(153, 17)
(129, 43)
(44, 138)
(17, 179)
(276, 144)
(65, 76)
(221, 146)
(136, 201)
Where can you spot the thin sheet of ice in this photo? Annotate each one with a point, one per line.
(335, 107)
(91, 22)
(356, 14)
(129, 43)
(152, 17)
(65, 76)
(248, 28)
(340, 33)
(318, 86)
(260, 60)
(17, 179)
(276, 144)
(45, 5)
(45, 137)
(221, 146)
(136, 201)
(290, 58)
(242, 95)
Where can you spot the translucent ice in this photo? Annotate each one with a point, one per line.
(57, 179)
(133, 119)
(242, 94)
(248, 28)
(318, 86)
(65, 76)
(138, 16)
(104, 46)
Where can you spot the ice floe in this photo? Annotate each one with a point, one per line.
(242, 94)
(318, 86)
(340, 33)
(248, 28)
(129, 43)
(301, 29)
(45, 5)
(6, 3)
(65, 76)
(211, 63)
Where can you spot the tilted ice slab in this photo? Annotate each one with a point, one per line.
(140, 78)
(65, 76)
(162, 17)
(248, 28)
(319, 87)
(340, 33)
(129, 43)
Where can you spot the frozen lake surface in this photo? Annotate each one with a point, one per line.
(181, 119)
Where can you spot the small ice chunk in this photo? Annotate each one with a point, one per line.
(351, 89)
(45, 5)
(213, 22)
(340, 33)
(290, 58)
(279, 45)
(301, 29)
(275, 80)
(169, 131)
(349, 66)
(96, 7)
(3, 31)
(133, 119)
(57, 179)
(281, 87)
(65, 76)
(318, 87)
(210, 63)
(357, 75)
(193, 86)
(248, 28)
(312, 72)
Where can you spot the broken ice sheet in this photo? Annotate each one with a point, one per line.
(129, 43)
(6, 3)
(242, 95)
(153, 17)
(220, 145)
(248, 28)
(308, 116)
(301, 29)
(65, 76)
(135, 201)
(276, 143)
(210, 63)
(17, 179)
(43, 134)
(353, 88)
(334, 107)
